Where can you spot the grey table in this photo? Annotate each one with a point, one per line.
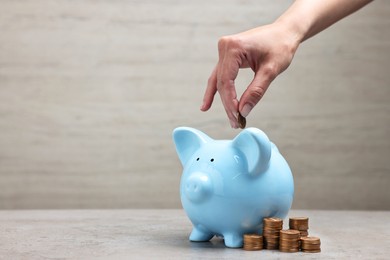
(162, 234)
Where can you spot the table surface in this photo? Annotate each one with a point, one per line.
(163, 234)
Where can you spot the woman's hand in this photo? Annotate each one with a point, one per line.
(267, 50)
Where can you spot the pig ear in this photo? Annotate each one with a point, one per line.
(187, 141)
(256, 147)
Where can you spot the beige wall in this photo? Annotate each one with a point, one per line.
(90, 92)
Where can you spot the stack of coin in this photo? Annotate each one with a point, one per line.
(310, 244)
(301, 224)
(289, 241)
(271, 230)
(253, 242)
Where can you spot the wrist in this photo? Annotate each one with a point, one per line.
(293, 35)
(296, 31)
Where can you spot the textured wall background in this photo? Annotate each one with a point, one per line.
(90, 92)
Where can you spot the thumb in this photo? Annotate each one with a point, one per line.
(255, 91)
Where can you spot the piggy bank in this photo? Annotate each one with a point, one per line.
(229, 186)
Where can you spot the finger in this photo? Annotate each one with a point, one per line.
(230, 105)
(227, 92)
(210, 91)
(226, 87)
(256, 89)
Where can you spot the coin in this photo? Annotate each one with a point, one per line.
(310, 247)
(312, 251)
(310, 244)
(299, 223)
(241, 121)
(304, 233)
(289, 250)
(289, 241)
(253, 242)
(311, 240)
(271, 232)
(290, 234)
(268, 222)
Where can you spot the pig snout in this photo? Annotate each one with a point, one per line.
(198, 187)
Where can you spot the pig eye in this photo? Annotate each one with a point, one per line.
(197, 159)
(212, 160)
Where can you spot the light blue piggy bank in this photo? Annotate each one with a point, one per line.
(229, 186)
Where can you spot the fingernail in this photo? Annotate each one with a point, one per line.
(246, 110)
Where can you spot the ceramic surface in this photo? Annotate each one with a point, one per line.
(229, 186)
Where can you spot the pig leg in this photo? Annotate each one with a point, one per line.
(200, 235)
(233, 240)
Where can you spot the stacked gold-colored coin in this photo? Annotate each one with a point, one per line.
(253, 242)
(289, 241)
(271, 232)
(301, 224)
(310, 244)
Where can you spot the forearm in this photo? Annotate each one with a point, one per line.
(306, 18)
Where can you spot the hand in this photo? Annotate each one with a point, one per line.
(267, 50)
